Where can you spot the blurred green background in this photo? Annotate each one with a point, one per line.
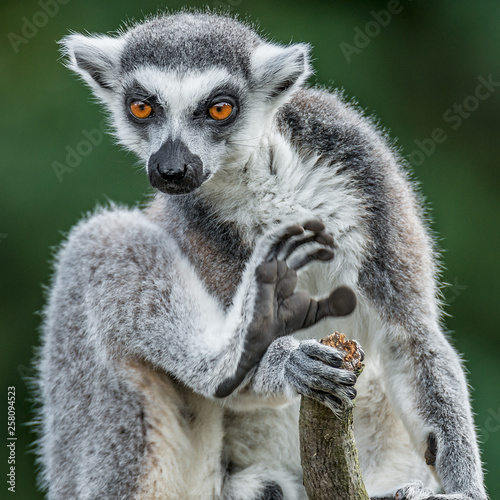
(418, 69)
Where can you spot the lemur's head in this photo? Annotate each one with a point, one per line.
(189, 92)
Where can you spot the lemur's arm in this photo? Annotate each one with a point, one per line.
(398, 307)
(428, 387)
(145, 300)
(423, 373)
(266, 307)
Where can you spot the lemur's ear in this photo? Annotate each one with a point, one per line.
(277, 70)
(95, 58)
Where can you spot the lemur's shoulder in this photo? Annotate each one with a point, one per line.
(322, 121)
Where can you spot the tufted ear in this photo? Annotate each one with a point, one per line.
(96, 59)
(278, 70)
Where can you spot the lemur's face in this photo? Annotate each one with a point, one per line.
(182, 125)
(190, 94)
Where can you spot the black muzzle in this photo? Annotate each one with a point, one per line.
(174, 169)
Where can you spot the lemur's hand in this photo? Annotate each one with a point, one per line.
(315, 370)
(277, 308)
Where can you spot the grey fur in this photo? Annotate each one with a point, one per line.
(183, 41)
(152, 311)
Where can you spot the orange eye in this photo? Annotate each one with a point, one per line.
(220, 111)
(140, 109)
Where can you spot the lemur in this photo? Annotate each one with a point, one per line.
(168, 368)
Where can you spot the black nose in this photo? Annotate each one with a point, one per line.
(172, 174)
(174, 168)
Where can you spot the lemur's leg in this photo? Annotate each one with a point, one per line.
(183, 440)
(114, 424)
(438, 413)
(262, 447)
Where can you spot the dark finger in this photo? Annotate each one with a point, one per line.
(321, 238)
(341, 302)
(293, 230)
(286, 283)
(328, 355)
(314, 225)
(267, 272)
(323, 255)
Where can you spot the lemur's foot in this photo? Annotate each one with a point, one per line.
(417, 491)
(277, 279)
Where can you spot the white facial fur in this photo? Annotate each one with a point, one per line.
(275, 71)
(178, 95)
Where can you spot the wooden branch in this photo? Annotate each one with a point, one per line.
(328, 451)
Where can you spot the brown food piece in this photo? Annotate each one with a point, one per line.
(352, 356)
